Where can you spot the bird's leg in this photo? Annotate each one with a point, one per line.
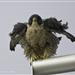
(33, 58)
(31, 61)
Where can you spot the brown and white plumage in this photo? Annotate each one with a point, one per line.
(37, 38)
(43, 43)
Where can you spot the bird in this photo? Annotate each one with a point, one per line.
(38, 37)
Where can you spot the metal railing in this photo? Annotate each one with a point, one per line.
(54, 65)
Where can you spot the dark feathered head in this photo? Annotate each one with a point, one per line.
(37, 18)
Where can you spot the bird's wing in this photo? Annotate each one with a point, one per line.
(53, 25)
(16, 35)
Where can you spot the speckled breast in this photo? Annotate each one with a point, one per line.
(42, 44)
(36, 36)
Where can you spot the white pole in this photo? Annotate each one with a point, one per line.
(54, 65)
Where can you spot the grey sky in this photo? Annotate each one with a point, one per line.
(13, 12)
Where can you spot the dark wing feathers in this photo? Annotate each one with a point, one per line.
(53, 25)
(18, 31)
(50, 24)
(18, 28)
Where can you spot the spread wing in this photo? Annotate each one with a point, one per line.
(53, 25)
(16, 35)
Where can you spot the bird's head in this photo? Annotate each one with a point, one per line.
(35, 19)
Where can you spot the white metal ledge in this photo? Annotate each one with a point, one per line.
(54, 65)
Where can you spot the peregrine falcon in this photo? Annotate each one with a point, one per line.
(38, 37)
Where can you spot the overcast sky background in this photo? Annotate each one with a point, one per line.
(13, 12)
